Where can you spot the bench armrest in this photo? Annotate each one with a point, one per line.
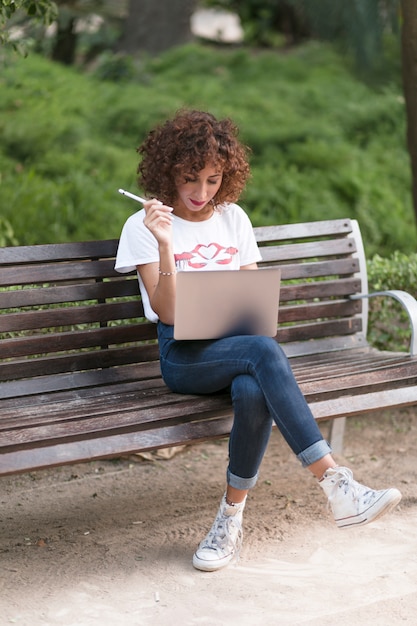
(407, 301)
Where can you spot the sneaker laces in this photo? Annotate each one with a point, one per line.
(344, 480)
(225, 533)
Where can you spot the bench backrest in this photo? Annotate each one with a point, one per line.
(67, 319)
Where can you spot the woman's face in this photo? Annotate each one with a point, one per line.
(195, 192)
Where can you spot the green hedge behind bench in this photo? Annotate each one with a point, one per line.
(386, 316)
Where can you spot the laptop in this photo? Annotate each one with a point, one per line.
(215, 304)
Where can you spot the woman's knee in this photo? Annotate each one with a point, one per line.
(245, 390)
(267, 352)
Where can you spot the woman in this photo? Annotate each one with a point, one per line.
(196, 168)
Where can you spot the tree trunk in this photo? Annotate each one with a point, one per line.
(409, 64)
(65, 42)
(156, 25)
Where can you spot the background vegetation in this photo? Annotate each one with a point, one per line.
(324, 143)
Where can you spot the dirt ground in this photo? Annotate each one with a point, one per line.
(111, 542)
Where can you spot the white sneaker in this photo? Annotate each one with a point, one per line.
(224, 540)
(352, 503)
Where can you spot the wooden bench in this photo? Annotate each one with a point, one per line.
(79, 367)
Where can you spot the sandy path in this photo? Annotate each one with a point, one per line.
(111, 543)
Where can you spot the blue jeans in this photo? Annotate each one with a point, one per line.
(263, 389)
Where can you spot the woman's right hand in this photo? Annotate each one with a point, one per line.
(158, 220)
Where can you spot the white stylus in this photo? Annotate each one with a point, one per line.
(131, 195)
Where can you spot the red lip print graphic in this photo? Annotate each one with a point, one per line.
(203, 255)
(207, 252)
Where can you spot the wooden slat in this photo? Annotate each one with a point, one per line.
(317, 269)
(69, 293)
(348, 406)
(57, 252)
(318, 310)
(306, 332)
(112, 446)
(62, 341)
(79, 361)
(69, 316)
(305, 230)
(28, 406)
(56, 272)
(344, 363)
(82, 418)
(403, 375)
(46, 383)
(308, 250)
(323, 345)
(320, 289)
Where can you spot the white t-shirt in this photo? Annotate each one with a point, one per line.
(223, 242)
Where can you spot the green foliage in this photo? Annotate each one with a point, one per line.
(43, 11)
(324, 145)
(399, 271)
(115, 67)
(7, 237)
(389, 326)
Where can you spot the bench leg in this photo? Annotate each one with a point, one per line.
(337, 431)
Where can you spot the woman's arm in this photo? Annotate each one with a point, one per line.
(160, 289)
(159, 278)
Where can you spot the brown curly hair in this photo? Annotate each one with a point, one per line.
(186, 144)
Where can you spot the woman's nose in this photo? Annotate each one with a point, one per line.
(202, 191)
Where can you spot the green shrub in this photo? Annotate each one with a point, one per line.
(389, 326)
(7, 237)
(324, 145)
(115, 67)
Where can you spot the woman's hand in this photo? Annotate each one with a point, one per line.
(158, 220)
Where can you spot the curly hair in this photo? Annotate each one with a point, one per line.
(186, 144)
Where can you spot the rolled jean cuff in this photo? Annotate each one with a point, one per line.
(241, 483)
(314, 453)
